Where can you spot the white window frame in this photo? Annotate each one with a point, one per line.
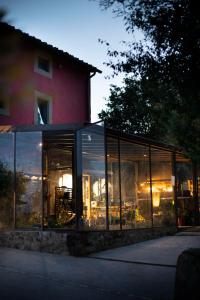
(40, 71)
(47, 98)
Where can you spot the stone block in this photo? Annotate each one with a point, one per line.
(82, 243)
(188, 275)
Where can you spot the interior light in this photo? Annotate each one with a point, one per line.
(99, 187)
(65, 180)
(156, 199)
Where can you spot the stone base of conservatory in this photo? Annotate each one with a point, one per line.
(78, 243)
(82, 243)
(44, 241)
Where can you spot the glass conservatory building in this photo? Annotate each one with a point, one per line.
(90, 177)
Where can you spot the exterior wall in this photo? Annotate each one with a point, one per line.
(20, 88)
(68, 89)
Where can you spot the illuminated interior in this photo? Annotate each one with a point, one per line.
(159, 188)
(93, 178)
(65, 179)
(82, 179)
(185, 200)
(59, 204)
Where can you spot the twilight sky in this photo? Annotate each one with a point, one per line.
(73, 26)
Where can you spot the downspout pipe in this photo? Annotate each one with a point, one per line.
(89, 96)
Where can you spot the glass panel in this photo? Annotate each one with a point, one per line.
(162, 189)
(43, 112)
(93, 177)
(28, 179)
(59, 201)
(113, 183)
(135, 189)
(198, 190)
(6, 180)
(185, 201)
(44, 64)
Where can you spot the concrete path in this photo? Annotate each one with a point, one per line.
(163, 251)
(142, 271)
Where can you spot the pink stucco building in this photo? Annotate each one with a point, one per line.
(41, 84)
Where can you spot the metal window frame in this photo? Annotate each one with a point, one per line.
(14, 187)
(77, 166)
(106, 175)
(175, 187)
(78, 178)
(150, 185)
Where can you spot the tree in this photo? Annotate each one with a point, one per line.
(6, 193)
(2, 14)
(124, 100)
(131, 109)
(166, 66)
(4, 50)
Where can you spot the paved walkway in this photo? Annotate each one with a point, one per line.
(144, 271)
(163, 251)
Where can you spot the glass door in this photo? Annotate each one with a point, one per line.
(92, 170)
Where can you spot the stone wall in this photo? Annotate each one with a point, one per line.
(78, 243)
(81, 243)
(46, 241)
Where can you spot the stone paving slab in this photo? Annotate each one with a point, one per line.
(163, 251)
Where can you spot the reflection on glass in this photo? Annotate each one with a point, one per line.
(185, 201)
(93, 179)
(28, 179)
(6, 180)
(198, 189)
(135, 190)
(162, 189)
(59, 202)
(113, 183)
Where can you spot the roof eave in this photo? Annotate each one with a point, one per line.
(35, 40)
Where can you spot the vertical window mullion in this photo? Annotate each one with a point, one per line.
(106, 176)
(150, 185)
(174, 186)
(42, 200)
(120, 192)
(14, 184)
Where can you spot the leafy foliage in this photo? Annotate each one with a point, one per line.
(165, 67)
(6, 193)
(2, 14)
